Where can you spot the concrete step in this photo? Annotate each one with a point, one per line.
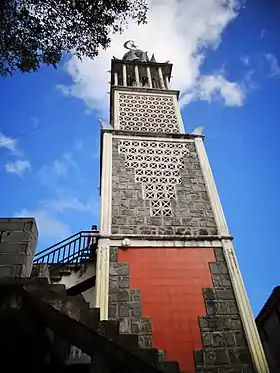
(109, 329)
(150, 355)
(169, 366)
(127, 341)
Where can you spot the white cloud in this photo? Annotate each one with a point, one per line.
(273, 64)
(215, 87)
(48, 225)
(71, 203)
(179, 31)
(18, 167)
(245, 60)
(263, 33)
(8, 143)
(52, 174)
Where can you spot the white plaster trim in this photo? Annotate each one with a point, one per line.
(106, 186)
(253, 339)
(116, 123)
(178, 115)
(211, 186)
(165, 243)
(102, 277)
(150, 138)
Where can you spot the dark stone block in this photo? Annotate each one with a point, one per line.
(232, 322)
(113, 282)
(123, 269)
(214, 268)
(134, 305)
(123, 311)
(240, 339)
(230, 370)
(211, 308)
(141, 326)
(113, 311)
(211, 323)
(113, 254)
(145, 341)
(239, 356)
(207, 370)
(221, 307)
(113, 269)
(247, 369)
(209, 294)
(207, 339)
(221, 280)
(123, 295)
(135, 313)
(216, 357)
(124, 282)
(113, 297)
(125, 326)
(230, 340)
(219, 339)
(225, 294)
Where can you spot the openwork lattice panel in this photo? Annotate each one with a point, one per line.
(147, 113)
(157, 167)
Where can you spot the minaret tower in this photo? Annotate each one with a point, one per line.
(166, 266)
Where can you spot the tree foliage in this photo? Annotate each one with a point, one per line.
(36, 32)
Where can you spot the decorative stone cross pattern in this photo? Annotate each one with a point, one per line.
(157, 167)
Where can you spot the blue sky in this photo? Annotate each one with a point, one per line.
(225, 58)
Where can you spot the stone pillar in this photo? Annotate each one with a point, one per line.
(124, 75)
(166, 81)
(149, 77)
(116, 80)
(18, 240)
(161, 80)
(136, 71)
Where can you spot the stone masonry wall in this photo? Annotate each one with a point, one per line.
(225, 349)
(18, 240)
(125, 303)
(131, 211)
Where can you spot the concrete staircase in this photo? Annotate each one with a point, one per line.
(76, 308)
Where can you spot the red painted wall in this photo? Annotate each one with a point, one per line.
(171, 282)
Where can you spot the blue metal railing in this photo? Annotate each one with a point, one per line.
(73, 249)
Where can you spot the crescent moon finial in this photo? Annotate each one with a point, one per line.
(126, 44)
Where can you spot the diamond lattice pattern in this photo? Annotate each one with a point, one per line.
(157, 167)
(147, 113)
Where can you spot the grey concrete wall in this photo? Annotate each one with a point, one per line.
(131, 212)
(76, 277)
(18, 240)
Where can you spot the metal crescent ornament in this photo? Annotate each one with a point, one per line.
(126, 44)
